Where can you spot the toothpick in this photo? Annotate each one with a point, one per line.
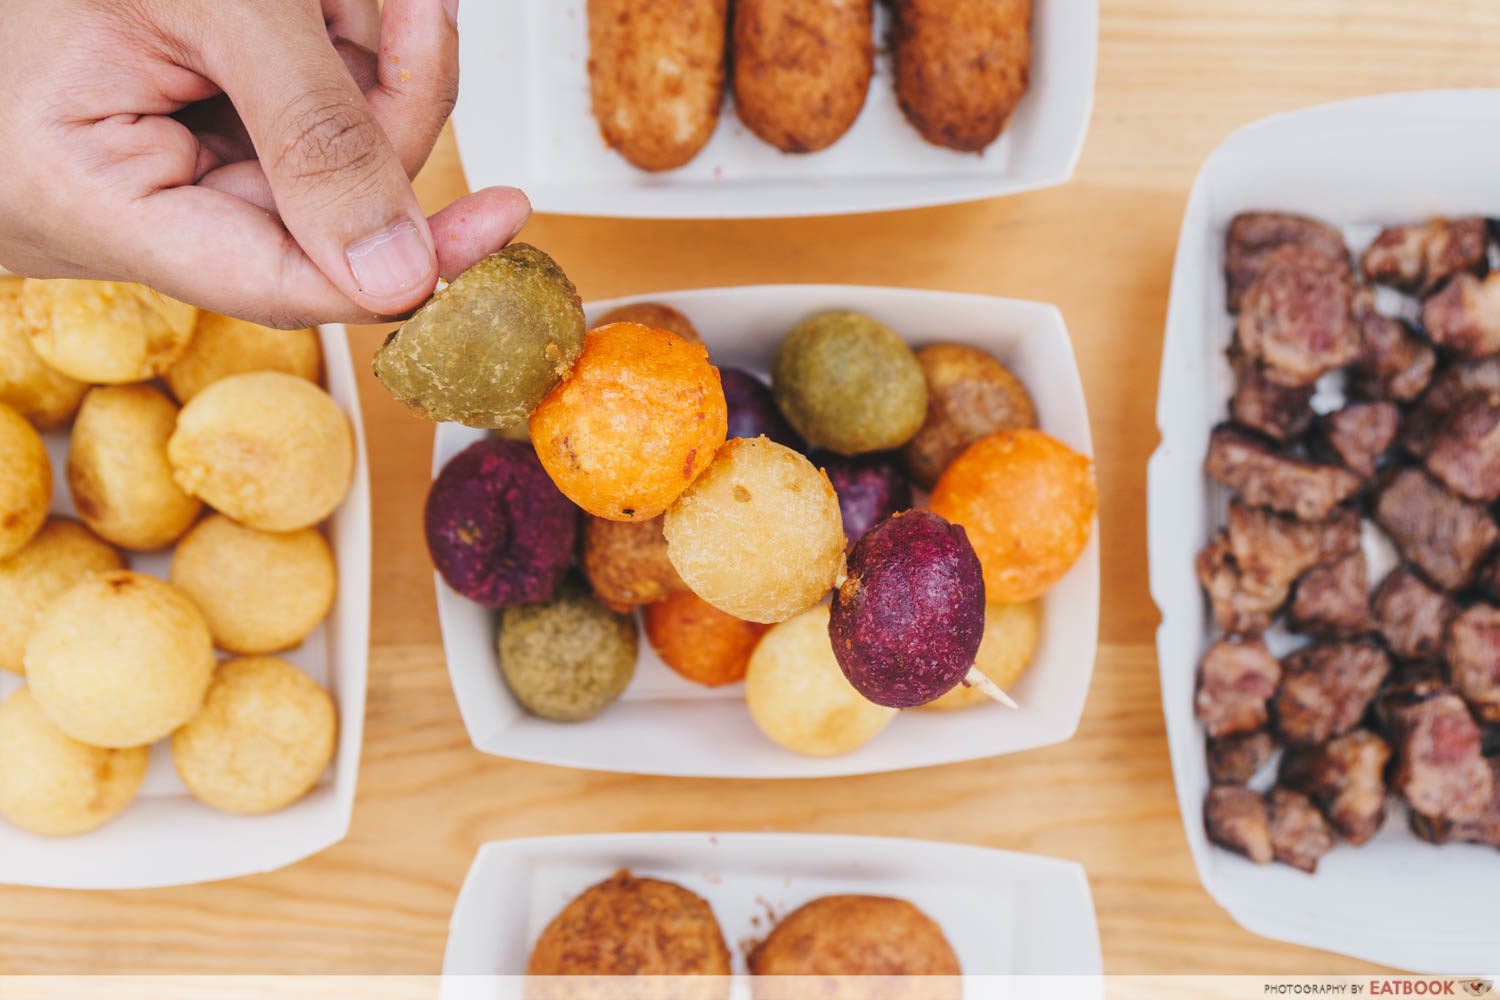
(977, 678)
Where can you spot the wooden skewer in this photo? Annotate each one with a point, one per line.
(977, 678)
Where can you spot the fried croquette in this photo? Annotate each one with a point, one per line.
(855, 936)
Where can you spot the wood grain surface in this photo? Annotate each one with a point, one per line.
(1175, 78)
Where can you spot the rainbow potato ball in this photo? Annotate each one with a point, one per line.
(970, 395)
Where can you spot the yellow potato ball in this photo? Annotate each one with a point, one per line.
(105, 332)
(61, 554)
(25, 482)
(45, 397)
(223, 346)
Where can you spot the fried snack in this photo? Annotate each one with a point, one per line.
(759, 535)
(753, 411)
(265, 734)
(259, 591)
(120, 660)
(25, 482)
(118, 471)
(640, 417)
(105, 332)
(699, 641)
(485, 350)
(626, 562)
(855, 936)
(802, 69)
(962, 66)
(656, 76)
(970, 395)
(45, 397)
(58, 556)
(655, 315)
(55, 786)
(871, 487)
(271, 450)
(1010, 636)
(223, 346)
(566, 659)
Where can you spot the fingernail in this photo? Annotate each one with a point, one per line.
(390, 262)
(451, 7)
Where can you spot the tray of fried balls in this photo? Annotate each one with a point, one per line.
(1362, 463)
(162, 563)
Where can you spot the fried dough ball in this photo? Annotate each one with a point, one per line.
(45, 397)
(25, 482)
(699, 641)
(265, 734)
(855, 936)
(55, 786)
(222, 345)
(568, 658)
(640, 417)
(260, 591)
(628, 926)
(759, 535)
(105, 332)
(118, 471)
(120, 660)
(58, 556)
(626, 562)
(271, 450)
(1011, 632)
(655, 315)
(970, 395)
(800, 698)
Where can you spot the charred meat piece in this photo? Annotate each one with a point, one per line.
(1441, 535)
(1234, 759)
(1252, 235)
(1299, 833)
(1452, 388)
(1419, 258)
(1465, 316)
(1333, 599)
(1361, 433)
(1235, 680)
(1395, 363)
(1473, 654)
(1263, 477)
(1482, 829)
(1295, 319)
(1325, 689)
(1465, 454)
(1278, 411)
(1487, 581)
(1346, 776)
(1237, 818)
(1412, 616)
(1440, 770)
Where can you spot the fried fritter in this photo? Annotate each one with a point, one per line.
(855, 936)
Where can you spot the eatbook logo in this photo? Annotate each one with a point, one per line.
(1478, 987)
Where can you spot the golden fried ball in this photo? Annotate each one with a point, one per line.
(25, 482)
(45, 397)
(626, 562)
(265, 734)
(118, 472)
(106, 332)
(855, 936)
(261, 591)
(656, 315)
(800, 698)
(269, 449)
(120, 660)
(60, 555)
(970, 395)
(759, 535)
(1010, 636)
(55, 786)
(223, 346)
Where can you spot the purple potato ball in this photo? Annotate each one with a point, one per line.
(871, 487)
(753, 411)
(498, 530)
(907, 622)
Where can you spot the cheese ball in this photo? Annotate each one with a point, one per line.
(566, 659)
(118, 471)
(58, 556)
(856, 936)
(1010, 636)
(260, 591)
(222, 346)
(699, 641)
(970, 395)
(271, 450)
(759, 535)
(800, 698)
(55, 786)
(120, 660)
(626, 562)
(45, 397)
(105, 332)
(655, 315)
(640, 417)
(265, 734)
(25, 482)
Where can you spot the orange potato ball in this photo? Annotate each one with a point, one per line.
(641, 415)
(1027, 502)
(699, 641)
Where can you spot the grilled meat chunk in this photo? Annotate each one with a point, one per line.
(1234, 759)
(1395, 363)
(1295, 317)
(1454, 386)
(1333, 599)
(1440, 769)
(1325, 689)
(1346, 776)
(1482, 829)
(1235, 680)
(1441, 535)
(1281, 412)
(1412, 616)
(1263, 477)
(1361, 433)
(1465, 453)
(1252, 235)
(1237, 818)
(1465, 316)
(1419, 258)
(1473, 654)
(1299, 833)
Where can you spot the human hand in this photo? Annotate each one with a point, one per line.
(250, 156)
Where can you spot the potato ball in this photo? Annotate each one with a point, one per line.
(53, 785)
(970, 395)
(640, 417)
(759, 536)
(45, 397)
(118, 471)
(105, 332)
(1010, 636)
(1027, 502)
(655, 315)
(699, 641)
(57, 557)
(120, 660)
(800, 698)
(271, 450)
(626, 562)
(222, 345)
(25, 482)
(848, 383)
(566, 659)
(265, 734)
(855, 936)
(260, 591)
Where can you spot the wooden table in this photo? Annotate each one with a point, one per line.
(1175, 77)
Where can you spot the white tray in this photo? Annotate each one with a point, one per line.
(664, 724)
(166, 837)
(524, 119)
(1358, 165)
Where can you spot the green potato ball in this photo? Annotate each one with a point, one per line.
(566, 659)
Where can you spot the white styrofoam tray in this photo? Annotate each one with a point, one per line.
(166, 837)
(664, 724)
(1358, 164)
(524, 119)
